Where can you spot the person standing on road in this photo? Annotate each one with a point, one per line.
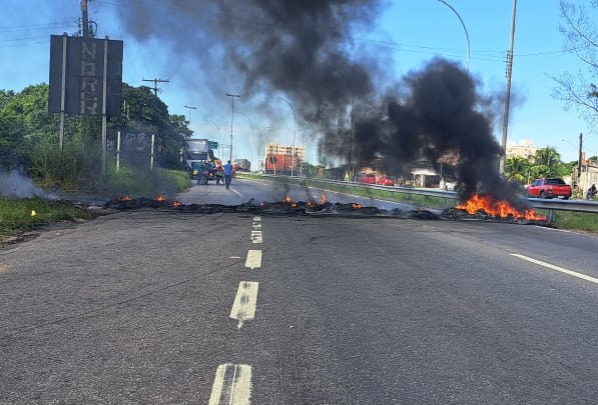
(228, 173)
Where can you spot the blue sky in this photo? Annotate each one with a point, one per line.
(408, 33)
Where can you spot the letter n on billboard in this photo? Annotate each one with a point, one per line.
(77, 72)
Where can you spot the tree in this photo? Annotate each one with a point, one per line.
(580, 89)
(517, 169)
(144, 112)
(29, 134)
(548, 157)
(547, 163)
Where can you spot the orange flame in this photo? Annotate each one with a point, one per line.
(355, 206)
(160, 198)
(125, 198)
(287, 199)
(323, 199)
(176, 204)
(497, 208)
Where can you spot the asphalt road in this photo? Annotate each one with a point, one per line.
(160, 307)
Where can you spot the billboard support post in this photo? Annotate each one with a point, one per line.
(62, 92)
(104, 102)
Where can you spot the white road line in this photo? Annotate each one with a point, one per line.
(232, 385)
(256, 237)
(245, 301)
(254, 259)
(256, 230)
(557, 268)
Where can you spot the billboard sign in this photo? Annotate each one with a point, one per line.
(78, 66)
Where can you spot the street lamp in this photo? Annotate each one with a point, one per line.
(252, 136)
(464, 29)
(232, 118)
(219, 134)
(190, 108)
(294, 133)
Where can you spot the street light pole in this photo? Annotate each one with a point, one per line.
(219, 135)
(294, 133)
(190, 108)
(232, 118)
(464, 29)
(253, 133)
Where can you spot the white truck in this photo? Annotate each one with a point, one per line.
(199, 162)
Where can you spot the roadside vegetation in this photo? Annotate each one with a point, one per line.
(30, 147)
(20, 216)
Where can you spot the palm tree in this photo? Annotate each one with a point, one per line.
(517, 169)
(550, 159)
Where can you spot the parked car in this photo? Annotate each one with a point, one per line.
(549, 188)
(367, 178)
(385, 181)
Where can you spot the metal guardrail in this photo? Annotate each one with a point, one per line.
(548, 204)
(566, 205)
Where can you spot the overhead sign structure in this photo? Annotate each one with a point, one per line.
(83, 71)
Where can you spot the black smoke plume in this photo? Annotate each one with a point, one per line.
(306, 50)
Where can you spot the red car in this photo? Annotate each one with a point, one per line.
(549, 188)
(368, 178)
(385, 181)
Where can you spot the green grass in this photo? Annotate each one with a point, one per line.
(21, 215)
(579, 221)
(136, 182)
(17, 216)
(345, 188)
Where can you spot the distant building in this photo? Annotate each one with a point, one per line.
(283, 159)
(524, 149)
(278, 149)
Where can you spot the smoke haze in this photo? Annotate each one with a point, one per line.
(16, 185)
(306, 50)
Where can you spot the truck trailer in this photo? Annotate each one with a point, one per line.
(281, 163)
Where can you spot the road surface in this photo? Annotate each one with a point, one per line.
(160, 307)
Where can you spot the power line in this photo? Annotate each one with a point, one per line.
(156, 81)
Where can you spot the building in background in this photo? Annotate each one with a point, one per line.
(524, 149)
(283, 159)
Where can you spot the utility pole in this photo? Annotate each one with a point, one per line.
(84, 19)
(232, 118)
(156, 81)
(87, 27)
(579, 161)
(505, 123)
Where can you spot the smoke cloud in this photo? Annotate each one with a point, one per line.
(306, 51)
(14, 184)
